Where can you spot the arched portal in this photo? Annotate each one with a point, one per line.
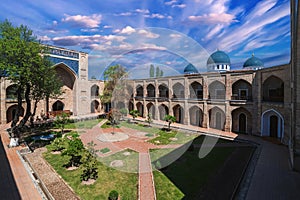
(216, 90)
(216, 118)
(196, 90)
(163, 111)
(178, 113)
(140, 108)
(241, 121)
(273, 89)
(95, 91)
(11, 112)
(58, 106)
(163, 91)
(151, 110)
(94, 106)
(178, 91)
(130, 106)
(272, 124)
(150, 91)
(11, 92)
(195, 116)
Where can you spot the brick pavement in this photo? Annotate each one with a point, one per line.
(25, 186)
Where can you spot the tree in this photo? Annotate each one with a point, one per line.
(61, 120)
(151, 71)
(157, 74)
(111, 77)
(90, 169)
(23, 65)
(161, 73)
(170, 119)
(74, 150)
(134, 114)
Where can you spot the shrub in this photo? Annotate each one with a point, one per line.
(90, 170)
(113, 195)
(58, 144)
(74, 150)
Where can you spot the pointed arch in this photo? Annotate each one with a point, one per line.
(196, 90)
(241, 120)
(66, 75)
(273, 89)
(216, 118)
(58, 106)
(272, 124)
(11, 112)
(95, 91)
(150, 90)
(151, 110)
(95, 106)
(241, 90)
(216, 90)
(178, 112)
(196, 116)
(163, 111)
(140, 108)
(178, 91)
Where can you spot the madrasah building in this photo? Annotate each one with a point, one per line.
(254, 100)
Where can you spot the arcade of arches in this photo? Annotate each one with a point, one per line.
(226, 102)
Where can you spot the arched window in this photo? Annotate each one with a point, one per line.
(273, 89)
(216, 90)
(58, 106)
(178, 91)
(95, 91)
(241, 90)
(196, 90)
(150, 91)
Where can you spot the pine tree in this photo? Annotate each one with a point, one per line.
(151, 71)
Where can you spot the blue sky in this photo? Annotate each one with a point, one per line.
(169, 34)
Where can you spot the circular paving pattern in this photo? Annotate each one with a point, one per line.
(112, 137)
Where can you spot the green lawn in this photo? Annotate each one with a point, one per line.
(188, 174)
(88, 124)
(162, 137)
(109, 179)
(130, 161)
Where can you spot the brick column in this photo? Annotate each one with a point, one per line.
(228, 92)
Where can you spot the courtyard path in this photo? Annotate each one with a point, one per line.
(20, 186)
(146, 182)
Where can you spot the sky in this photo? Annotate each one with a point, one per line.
(169, 34)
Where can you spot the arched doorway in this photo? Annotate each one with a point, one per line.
(178, 113)
(11, 112)
(272, 124)
(94, 106)
(163, 111)
(58, 106)
(216, 118)
(95, 91)
(151, 110)
(130, 106)
(140, 108)
(242, 123)
(195, 116)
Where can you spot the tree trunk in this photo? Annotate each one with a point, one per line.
(28, 107)
(34, 112)
(14, 127)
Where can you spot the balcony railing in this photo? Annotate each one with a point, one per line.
(241, 98)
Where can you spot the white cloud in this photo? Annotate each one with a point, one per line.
(148, 34)
(91, 21)
(44, 38)
(124, 14)
(213, 18)
(179, 6)
(171, 2)
(106, 26)
(145, 11)
(127, 30)
(175, 35)
(155, 15)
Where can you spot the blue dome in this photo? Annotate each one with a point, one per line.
(190, 69)
(218, 57)
(253, 62)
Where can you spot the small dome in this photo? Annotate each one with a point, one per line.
(190, 69)
(253, 62)
(218, 57)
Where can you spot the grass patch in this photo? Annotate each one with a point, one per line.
(105, 150)
(108, 125)
(109, 179)
(163, 137)
(88, 124)
(129, 157)
(188, 173)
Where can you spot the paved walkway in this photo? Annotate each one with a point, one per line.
(16, 179)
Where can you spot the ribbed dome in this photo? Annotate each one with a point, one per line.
(253, 62)
(190, 69)
(218, 57)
